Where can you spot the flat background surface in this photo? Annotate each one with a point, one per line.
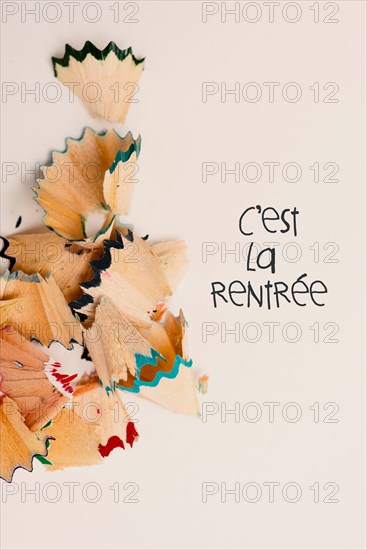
(175, 455)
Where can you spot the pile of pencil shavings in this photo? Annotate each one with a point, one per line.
(107, 292)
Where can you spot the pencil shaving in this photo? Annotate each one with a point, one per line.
(18, 444)
(89, 280)
(131, 276)
(74, 185)
(39, 309)
(96, 424)
(105, 80)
